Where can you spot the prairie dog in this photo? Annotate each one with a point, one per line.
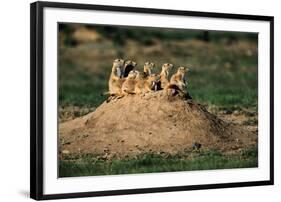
(164, 75)
(128, 66)
(178, 84)
(115, 81)
(173, 89)
(147, 70)
(128, 87)
(147, 84)
(179, 78)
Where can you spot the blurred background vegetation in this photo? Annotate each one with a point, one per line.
(223, 74)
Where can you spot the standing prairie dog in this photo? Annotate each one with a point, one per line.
(147, 70)
(128, 66)
(178, 84)
(115, 81)
(128, 87)
(164, 75)
(179, 78)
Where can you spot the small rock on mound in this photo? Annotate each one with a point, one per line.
(149, 123)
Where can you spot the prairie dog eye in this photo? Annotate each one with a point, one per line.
(118, 61)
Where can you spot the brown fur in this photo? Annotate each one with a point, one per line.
(164, 75)
(147, 69)
(173, 90)
(128, 87)
(177, 85)
(115, 80)
(179, 78)
(146, 85)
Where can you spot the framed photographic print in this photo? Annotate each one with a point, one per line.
(134, 100)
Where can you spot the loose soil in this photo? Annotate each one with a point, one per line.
(151, 123)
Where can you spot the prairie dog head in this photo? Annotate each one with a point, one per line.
(133, 74)
(166, 68)
(117, 67)
(182, 70)
(147, 68)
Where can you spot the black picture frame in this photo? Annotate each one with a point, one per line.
(36, 98)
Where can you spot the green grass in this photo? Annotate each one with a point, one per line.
(152, 163)
(80, 88)
(224, 90)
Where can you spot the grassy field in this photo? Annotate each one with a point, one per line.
(151, 163)
(223, 76)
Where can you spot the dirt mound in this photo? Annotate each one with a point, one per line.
(153, 122)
